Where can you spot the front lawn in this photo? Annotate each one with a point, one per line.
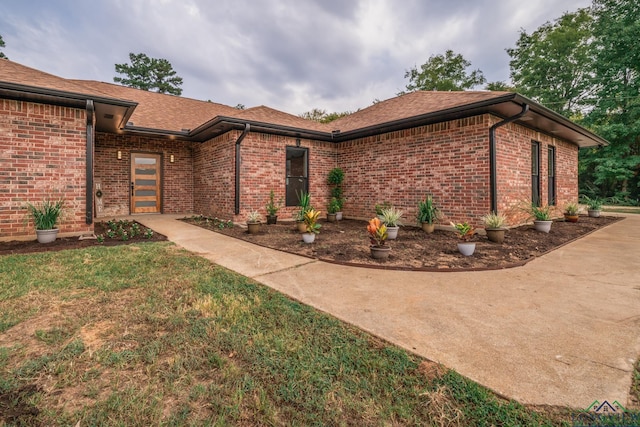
(148, 334)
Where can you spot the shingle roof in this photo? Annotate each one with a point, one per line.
(269, 115)
(410, 105)
(163, 114)
(161, 111)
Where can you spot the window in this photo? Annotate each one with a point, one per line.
(297, 174)
(535, 173)
(551, 170)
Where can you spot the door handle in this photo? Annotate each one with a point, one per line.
(132, 188)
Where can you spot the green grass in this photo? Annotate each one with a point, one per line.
(152, 335)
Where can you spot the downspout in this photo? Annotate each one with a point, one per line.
(493, 170)
(89, 172)
(244, 133)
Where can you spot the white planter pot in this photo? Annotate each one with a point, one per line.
(392, 233)
(47, 236)
(308, 237)
(593, 213)
(339, 216)
(544, 226)
(467, 248)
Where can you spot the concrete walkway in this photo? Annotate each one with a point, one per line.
(562, 330)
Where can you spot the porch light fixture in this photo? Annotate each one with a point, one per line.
(171, 159)
(119, 155)
(297, 142)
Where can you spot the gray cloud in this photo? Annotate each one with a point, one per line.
(291, 55)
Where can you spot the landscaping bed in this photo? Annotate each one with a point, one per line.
(101, 229)
(347, 242)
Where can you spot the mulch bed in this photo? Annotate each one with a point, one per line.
(346, 242)
(62, 243)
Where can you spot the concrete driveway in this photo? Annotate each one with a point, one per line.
(561, 330)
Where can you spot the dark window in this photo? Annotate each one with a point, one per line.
(551, 170)
(297, 174)
(535, 173)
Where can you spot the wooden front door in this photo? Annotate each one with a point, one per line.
(145, 183)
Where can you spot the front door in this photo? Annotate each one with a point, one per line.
(145, 183)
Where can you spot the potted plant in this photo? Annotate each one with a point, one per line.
(571, 212)
(272, 209)
(428, 214)
(332, 210)
(45, 217)
(253, 222)
(391, 218)
(493, 225)
(304, 205)
(541, 216)
(335, 178)
(311, 225)
(377, 236)
(465, 233)
(594, 206)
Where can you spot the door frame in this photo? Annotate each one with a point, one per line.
(159, 182)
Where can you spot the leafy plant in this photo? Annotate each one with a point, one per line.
(427, 210)
(594, 204)
(377, 232)
(540, 213)
(391, 217)
(464, 230)
(333, 206)
(382, 206)
(253, 217)
(272, 207)
(494, 220)
(335, 178)
(148, 233)
(45, 216)
(304, 204)
(311, 221)
(571, 209)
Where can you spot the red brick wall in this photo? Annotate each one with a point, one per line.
(448, 160)
(115, 175)
(42, 154)
(513, 154)
(262, 169)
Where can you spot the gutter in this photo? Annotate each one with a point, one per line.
(89, 172)
(247, 128)
(493, 170)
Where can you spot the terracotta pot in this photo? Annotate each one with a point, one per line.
(594, 213)
(392, 232)
(47, 236)
(272, 219)
(429, 228)
(308, 237)
(544, 226)
(253, 227)
(331, 217)
(339, 216)
(302, 227)
(571, 218)
(380, 252)
(467, 248)
(496, 234)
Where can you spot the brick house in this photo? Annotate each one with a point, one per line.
(110, 150)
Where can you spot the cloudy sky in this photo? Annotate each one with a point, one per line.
(292, 55)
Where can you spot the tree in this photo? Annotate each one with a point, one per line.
(443, 72)
(615, 170)
(149, 74)
(500, 87)
(554, 64)
(2, 55)
(318, 115)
